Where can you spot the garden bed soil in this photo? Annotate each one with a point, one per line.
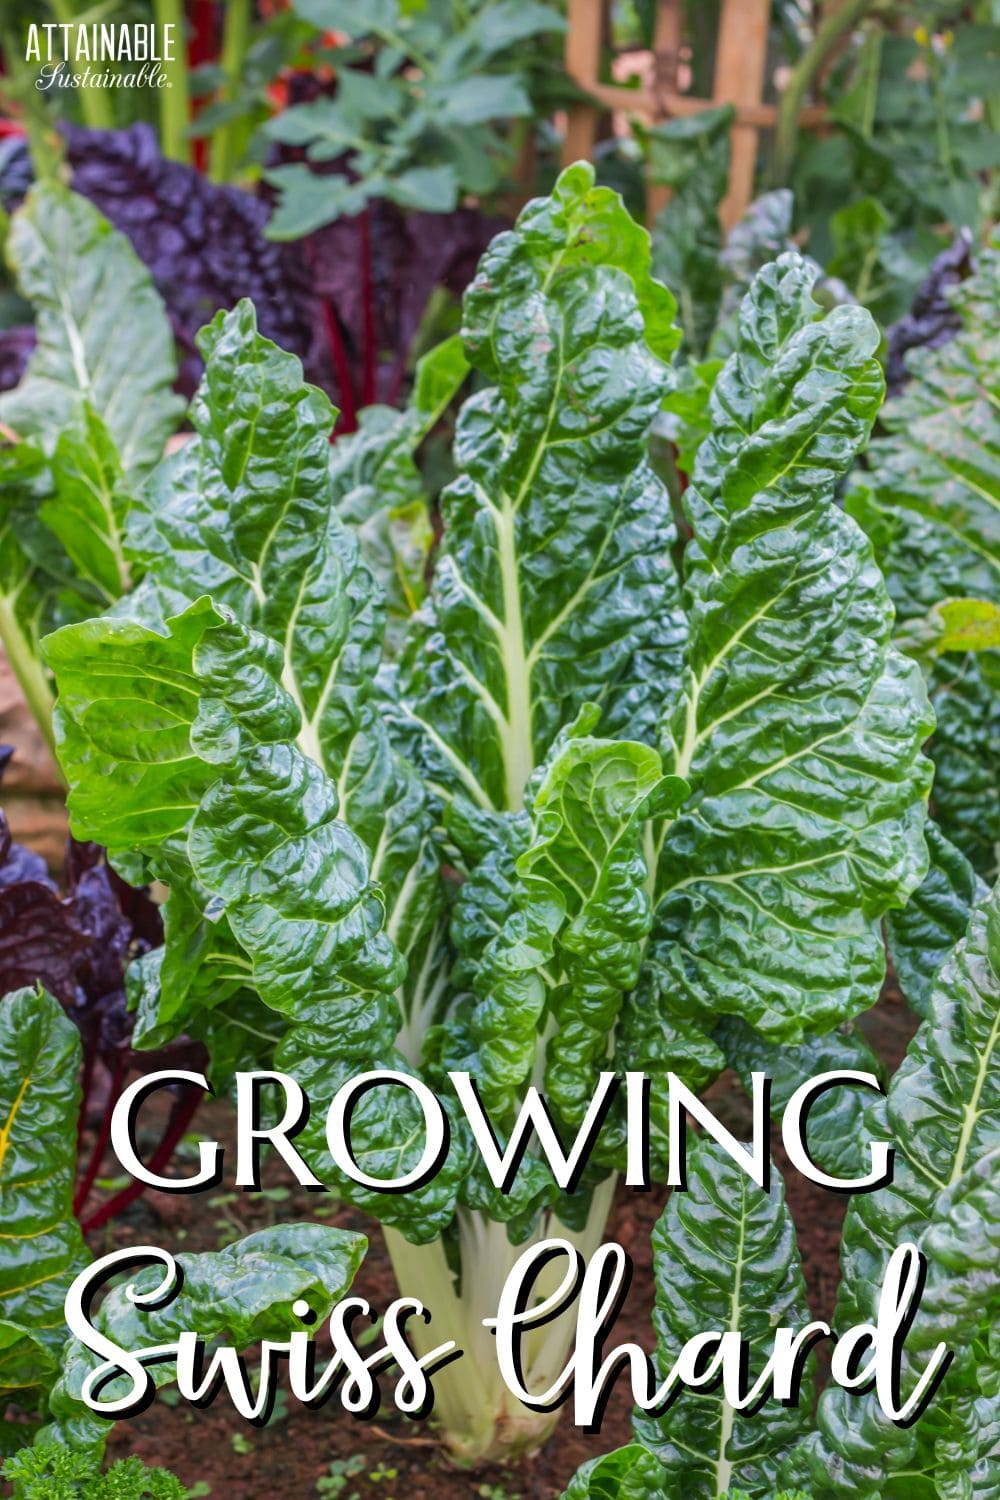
(400, 1458)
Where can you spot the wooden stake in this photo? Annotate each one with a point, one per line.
(740, 62)
(666, 47)
(583, 62)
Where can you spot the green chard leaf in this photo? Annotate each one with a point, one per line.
(724, 1257)
(388, 1132)
(923, 933)
(836, 1141)
(199, 968)
(239, 1295)
(553, 586)
(796, 722)
(630, 1473)
(943, 1113)
(41, 1247)
(267, 777)
(103, 336)
(247, 512)
(179, 744)
(549, 930)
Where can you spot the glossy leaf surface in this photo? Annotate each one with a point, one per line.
(724, 1258)
(796, 722)
(943, 1113)
(103, 336)
(238, 1295)
(553, 574)
(42, 1248)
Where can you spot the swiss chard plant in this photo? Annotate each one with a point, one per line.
(86, 423)
(79, 434)
(925, 492)
(725, 1257)
(592, 807)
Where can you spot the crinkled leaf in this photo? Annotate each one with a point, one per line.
(834, 1135)
(129, 702)
(943, 1113)
(179, 743)
(388, 1135)
(243, 513)
(549, 929)
(199, 967)
(587, 855)
(103, 336)
(42, 1248)
(796, 722)
(554, 571)
(248, 512)
(630, 1473)
(724, 1258)
(923, 933)
(651, 1038)
(239, 1295)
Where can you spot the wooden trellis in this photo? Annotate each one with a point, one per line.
(740, 64)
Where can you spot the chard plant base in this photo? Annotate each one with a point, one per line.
(478, 1418)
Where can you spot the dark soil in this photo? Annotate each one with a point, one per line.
(402, 1460)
